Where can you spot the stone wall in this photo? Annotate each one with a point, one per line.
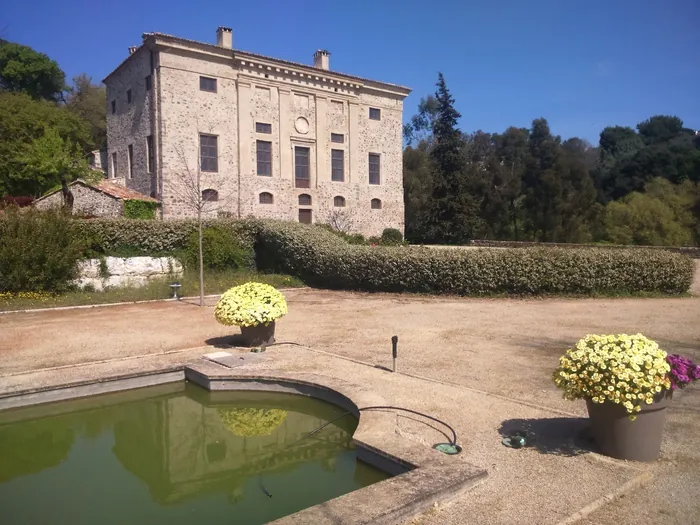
(302, 108)
(126, 271)
(131, 124)
(86, 201)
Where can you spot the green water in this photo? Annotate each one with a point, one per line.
(174, 455)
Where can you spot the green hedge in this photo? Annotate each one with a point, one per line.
(129, 236)
(324, 260)
(138, 209)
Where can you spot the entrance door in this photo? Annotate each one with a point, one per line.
(305, 216)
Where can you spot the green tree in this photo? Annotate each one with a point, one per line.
(23, 120)
(417, 187)
(452, 215)
(50, 160)
(512, 150)
(89, 102)
(660, 128)
(23, 70)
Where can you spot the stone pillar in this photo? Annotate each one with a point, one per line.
(322, 139)
(286, 167)
(245, 134)
(354, 143)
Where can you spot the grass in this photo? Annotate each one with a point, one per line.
(214, 283)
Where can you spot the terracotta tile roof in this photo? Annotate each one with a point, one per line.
(121, 192)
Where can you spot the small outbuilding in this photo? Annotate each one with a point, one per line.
(102, 199)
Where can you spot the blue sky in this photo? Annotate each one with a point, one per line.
(581, 65)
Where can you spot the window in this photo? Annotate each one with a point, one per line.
(339, 202)
(207, 84)
(261, 127)
(114, 164)
(304, 200)
(114, 107)
(148, 82)
(376, 204)
(266, 198)
(375, 113)
(210, 195)
(208, 152)
(264, 155)
(338, 138)
(337, 165)
(374, 168)
(151, 154)
(130, 149)
(305, 216)
(128, 96)
(301, 167)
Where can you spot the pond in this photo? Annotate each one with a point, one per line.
(173, 455)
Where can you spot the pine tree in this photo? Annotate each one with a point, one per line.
(452, 216)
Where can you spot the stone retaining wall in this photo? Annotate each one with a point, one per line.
(126, 271)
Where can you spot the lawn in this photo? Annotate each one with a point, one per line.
(214, 283)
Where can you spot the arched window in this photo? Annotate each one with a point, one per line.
(210, 195)
(376, 204)
(304, 200)
(266, 198)
(339, 202)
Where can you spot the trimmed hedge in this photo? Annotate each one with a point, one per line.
(154, 237)
(324, 260)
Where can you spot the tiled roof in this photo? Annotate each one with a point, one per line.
(121, 192)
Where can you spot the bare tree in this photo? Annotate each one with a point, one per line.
(200, 192)
(341, 220)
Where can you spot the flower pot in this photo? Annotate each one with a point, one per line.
(619, 437)
(258, 335)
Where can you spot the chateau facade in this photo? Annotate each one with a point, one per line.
(255, 136)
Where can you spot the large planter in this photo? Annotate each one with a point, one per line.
(258, 335)
(619, 437)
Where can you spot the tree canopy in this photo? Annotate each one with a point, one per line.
(23, 70)
(637, 186)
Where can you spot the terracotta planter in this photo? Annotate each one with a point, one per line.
(618, 437)
(258, 335)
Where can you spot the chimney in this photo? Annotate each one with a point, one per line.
(133, 49)
(321, 59)
(224, 37)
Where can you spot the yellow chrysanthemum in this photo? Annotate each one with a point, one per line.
(250, 304)
(626, 369)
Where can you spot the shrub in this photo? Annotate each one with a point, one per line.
(39, 251)
(322, 259)
(221, 250)
(138, 209)
(392, 237)
(154, 237)
(250, 304)
(629, 370)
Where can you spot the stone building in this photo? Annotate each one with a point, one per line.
(104, 199)
(265, 137)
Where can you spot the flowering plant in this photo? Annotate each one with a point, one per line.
(624, 369)
(246, 422)
(250, 304)
(683, 371)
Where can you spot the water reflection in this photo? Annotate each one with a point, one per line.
(157, 456)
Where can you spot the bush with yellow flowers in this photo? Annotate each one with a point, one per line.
(628, 370)
(247, 422)
(250, 304)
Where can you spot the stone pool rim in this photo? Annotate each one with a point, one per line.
(422, 476)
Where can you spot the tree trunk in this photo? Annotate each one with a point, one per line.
(67, 195)
(201, 258)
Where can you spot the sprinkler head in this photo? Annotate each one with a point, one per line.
(450, 449)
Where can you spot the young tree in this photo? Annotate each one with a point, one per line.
(50, 160)
(197, 191)
(341, 220)
(23, 70)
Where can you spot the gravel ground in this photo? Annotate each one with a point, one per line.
(497, 353)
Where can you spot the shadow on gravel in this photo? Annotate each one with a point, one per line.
(559, 436)
(226, 341)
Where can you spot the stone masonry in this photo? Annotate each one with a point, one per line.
(301, 104)
(120, 272)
